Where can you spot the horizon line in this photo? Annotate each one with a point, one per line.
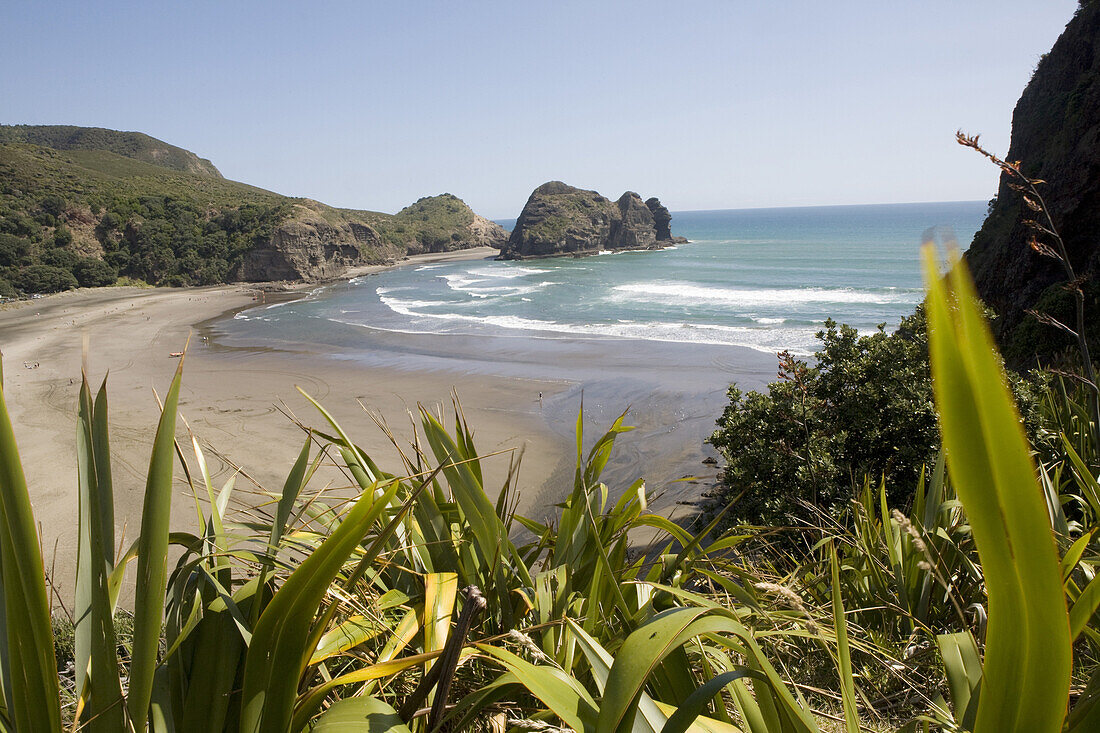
(804, 206)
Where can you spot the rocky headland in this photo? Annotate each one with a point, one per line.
(317, 242)
(1056, 138)
(559, 219)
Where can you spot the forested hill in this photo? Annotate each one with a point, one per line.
(136, 145)
(86, 206)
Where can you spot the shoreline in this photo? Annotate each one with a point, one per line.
(230, 397)
(235, 391)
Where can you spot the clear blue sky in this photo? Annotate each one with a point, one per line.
(719, 104)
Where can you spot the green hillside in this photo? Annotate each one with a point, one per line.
(432, 223)
(79, 216)
(136, 145)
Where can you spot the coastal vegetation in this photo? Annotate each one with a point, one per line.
(862, 409)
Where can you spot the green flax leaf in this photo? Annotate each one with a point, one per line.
(1026, 676)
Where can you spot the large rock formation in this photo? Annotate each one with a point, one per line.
(440, 224)
(661, 218)
(634, 228)
(1055, 137)
(559, 219)
(486, 233)
(314, 244)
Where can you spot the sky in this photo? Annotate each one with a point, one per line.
(706, 104)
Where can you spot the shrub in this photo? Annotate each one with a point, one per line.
(62, 236)
(91, 272)
(61, 258)
(44, 279)
(864, 409)
(52, 204)
(14, 251)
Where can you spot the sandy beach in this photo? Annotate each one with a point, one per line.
(229, 398)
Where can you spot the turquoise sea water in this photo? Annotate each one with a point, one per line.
(659, 332)
(762, 278)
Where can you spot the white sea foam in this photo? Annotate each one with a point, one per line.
(408, 307)
(505, 271)
(476, 287)
(686, 294)
(762, 339)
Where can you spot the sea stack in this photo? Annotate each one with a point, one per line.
(560, 219)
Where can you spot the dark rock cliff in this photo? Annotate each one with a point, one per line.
(661, 218)
(559, 219)
(633, 228)
(1055, 137)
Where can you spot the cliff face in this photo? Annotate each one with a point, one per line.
(315, 243)
(559, 219)
(633, 228)
(485, 233)
(1055, 137)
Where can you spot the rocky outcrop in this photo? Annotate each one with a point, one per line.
(442, 223)
(314, 244)
(634, 228)
(661, 218)
(559, 219)
(1055, 137)
(485, 233)
(318, 242)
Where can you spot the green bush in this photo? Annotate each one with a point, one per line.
(865, 408)
(52, 204)
(92, 273)
(60, 258)
(44, 279)
(62, 236)
(14, 251)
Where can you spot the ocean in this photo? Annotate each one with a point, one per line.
(662, 332)
(765, 279)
